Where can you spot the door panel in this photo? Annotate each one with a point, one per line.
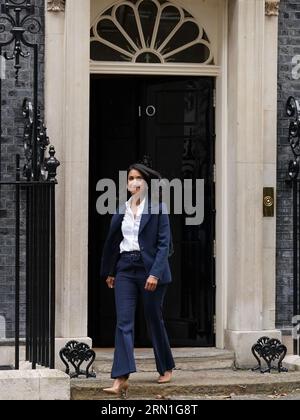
(180, 140)
(171, 120)
(113, 146)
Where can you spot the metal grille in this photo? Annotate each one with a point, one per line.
(32, 195)
(293, 112)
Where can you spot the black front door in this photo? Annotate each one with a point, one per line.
(170, 119)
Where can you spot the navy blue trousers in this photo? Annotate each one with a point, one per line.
(130, 283)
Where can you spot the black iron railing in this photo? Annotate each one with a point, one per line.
(32, 193)
(293, 112)
(40, 270)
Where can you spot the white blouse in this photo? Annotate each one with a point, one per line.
(130, 227)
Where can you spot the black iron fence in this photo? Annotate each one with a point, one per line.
(32, 196)
(293, 112)
(40, 269)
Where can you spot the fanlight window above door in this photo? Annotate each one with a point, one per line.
(149, 31)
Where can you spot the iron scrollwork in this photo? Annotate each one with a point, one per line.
(22, 22)
(269, 349)
(76, 353)
(16, 18)
(46, 167)
(293, 112)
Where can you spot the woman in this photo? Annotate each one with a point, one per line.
(135, 263)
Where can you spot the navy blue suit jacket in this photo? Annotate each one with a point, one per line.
(155, 241)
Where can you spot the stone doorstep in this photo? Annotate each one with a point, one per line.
(193, 353)
(149, 365)
(44, 384)
(185, 358)
(193, 384)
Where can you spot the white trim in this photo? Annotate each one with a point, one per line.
(154, 69)
(221, 155)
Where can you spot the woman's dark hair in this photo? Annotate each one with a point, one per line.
(148, 174)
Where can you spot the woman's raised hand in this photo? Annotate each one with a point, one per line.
(110, 281)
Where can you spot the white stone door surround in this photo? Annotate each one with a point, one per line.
(246, 80)
(252, 146)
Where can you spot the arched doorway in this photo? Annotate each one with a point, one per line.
(151, 32)
(143, 35)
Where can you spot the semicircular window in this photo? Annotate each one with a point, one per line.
(149, 31)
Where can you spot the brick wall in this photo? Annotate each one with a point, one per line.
(12, 127)
(288, 84)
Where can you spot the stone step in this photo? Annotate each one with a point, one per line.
(191, 384)
(185, 359)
